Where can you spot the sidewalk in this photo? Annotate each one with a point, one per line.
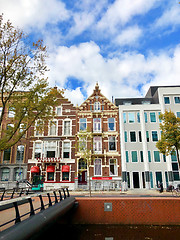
(138, 192)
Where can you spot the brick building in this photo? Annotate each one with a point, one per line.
(52, 152)
(99, 116)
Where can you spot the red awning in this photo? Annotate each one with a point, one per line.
(65, 168)
(35, 169)
(50, 168)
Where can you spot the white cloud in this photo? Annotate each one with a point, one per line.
(75, 96)
(170, 17)
(118, 76)
(121, 11)
(34, 13)
(129, 36)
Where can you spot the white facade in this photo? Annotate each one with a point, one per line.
(142, 165)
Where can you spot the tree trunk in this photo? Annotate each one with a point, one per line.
(177, 153)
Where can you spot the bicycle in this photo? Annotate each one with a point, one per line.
(176, 192)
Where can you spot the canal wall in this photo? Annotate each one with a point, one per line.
(136, 210)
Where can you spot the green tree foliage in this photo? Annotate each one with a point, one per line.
(24, 90)
(170, 136)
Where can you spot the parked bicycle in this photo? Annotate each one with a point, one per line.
(176, 191)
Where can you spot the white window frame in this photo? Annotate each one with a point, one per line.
(46, 147)
(97, 145)
(114, 125)
(95, 167)
(97, 107)
(11, 112)
(35, 131)
(67, 120)
(55, 124)
(115, 144)
(59, 107)
(96, 125)
(85, 122)
(66, 141)
(34, 148)
(115, 167)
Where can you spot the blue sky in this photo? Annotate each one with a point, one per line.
(124, 45)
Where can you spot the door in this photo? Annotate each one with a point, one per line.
(158, 178)
(82, 178)
(136, 179)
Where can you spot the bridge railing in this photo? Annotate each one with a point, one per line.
(6, 194)
(44, 200)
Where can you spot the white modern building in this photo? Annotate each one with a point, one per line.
(143, 166)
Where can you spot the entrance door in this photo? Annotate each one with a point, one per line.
(158, 178)
(136, 179)
(82, 178)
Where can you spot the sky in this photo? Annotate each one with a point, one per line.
(124, 45)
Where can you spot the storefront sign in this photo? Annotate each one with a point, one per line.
(101, 178)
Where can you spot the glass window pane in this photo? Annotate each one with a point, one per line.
(127, 156)
(133, 136)
(173, 157)
(131, 117)
(20, 153)
(66, 150)
(112, 143)
(82, 124)
(5, 174)
(141, 155)
(166, 100)
(66, 127)
(138, 117)
(153, 117)
(156, 156)
(178, 114)
(7, 155)
(125, 136)
(149, 156)
(154, 136)
(97, 167)
(124, 117)
(145, 117)
(113, 167)
(134, 156)
(177, 99)
(111, 124)
(147, 136)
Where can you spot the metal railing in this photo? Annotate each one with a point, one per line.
(53, 197)
(6, 194)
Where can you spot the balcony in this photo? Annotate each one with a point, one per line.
(49, 160)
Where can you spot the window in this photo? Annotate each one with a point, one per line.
(138, 117)
(149, 156)
(127, 157)
(124, 117)
(66, 150)
(125, 136)
(82, 144)
(175, 169)
(7, 155)
(59, 111)
(177, 99)
(50, 148)
(113, 167)
(145, 117)
(158, 117)
(153, 117)
(18, 174)
(97, 144)
(67, 125)
(4, 174)
(53, 128)
(173, 156)
(65, 176)
(164, 158)
(141, 156)
(97, 125)
(11, 112)
(151, 179)
(178, 114)
(147, 136)
(133, 136)
(140, 136)
(97, 167)
(156, 156)
(131, 117)
(20, 153)
(38, 128)
(111, 124)
(112, 143)
(97, 106)
(82, 124)
(134, 156)
(154, 136)
(50, 176)
(37, 149)
(166, 100)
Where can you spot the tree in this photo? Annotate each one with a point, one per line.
(24, 91)
(84, 148)
(170, 136)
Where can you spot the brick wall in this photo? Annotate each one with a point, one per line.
(155, 211)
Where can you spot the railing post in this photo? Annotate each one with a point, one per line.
(27, 192)
(50, 203)
(67, 192)
(64, 193)
(60, 195)
(42, 204)
(21, 192)
(13, 193)
(18, 218)
(3, 195)
(31, 207)
(56, 201)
